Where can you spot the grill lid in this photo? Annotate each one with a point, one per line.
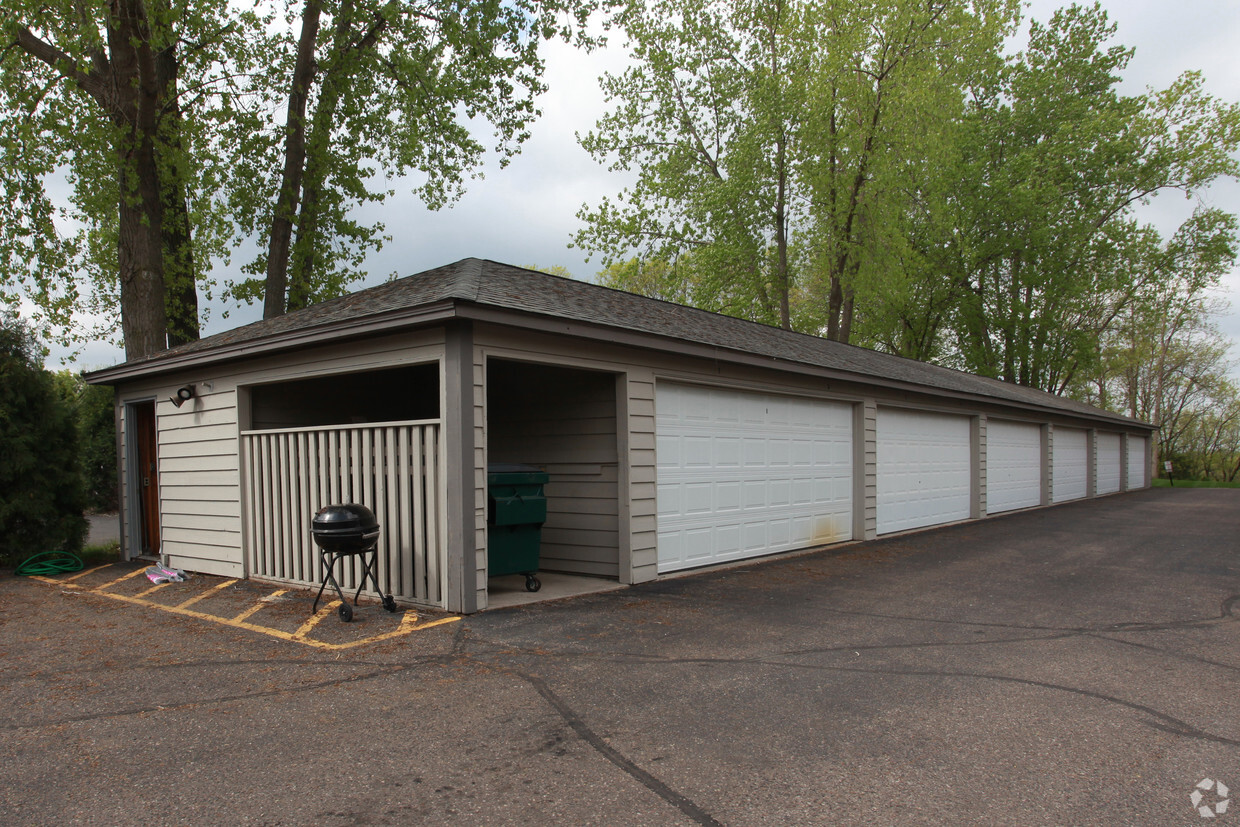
(348, 528)
(345, 518)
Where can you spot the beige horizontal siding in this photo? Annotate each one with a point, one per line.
(222, 461)
(227, 523)
(214, 498)
(206, 446)
(198, 478)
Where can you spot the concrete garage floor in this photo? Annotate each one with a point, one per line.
(1072, 665)
(509, 590)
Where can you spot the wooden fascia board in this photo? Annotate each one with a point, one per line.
(668, 344)
(391, 322)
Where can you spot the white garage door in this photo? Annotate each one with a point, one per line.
(923, 469)
(1108, 463)
(1136, 462)
(1013, 466)
(1070, 465)
(745, 474)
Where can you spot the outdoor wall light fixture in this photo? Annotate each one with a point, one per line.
(183, 395)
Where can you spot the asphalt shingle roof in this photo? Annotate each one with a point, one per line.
(502, 286)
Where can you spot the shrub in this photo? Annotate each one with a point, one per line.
(96, 424)
(41, 492)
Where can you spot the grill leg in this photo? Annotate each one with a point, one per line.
(328, 562)
(370, 568)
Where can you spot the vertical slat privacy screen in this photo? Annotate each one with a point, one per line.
(393, 468)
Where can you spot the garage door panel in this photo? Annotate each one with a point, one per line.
(725, 452)
(1013, 466)
(755, 453)
(754, 535)
(1070, 465)
(1108, 463)
(698, 451)
(699, 497)
(669, 447)
(923, 468)
(669, 499)
(772, 465)
(780, 493)
(754, 495)
(1136, 462)
(698, 543)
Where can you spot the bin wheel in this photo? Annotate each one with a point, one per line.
(346, 612)
(389, 603)
(532, 583)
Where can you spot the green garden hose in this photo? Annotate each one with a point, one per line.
(48, 563)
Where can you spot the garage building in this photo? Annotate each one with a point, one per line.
(672, 438)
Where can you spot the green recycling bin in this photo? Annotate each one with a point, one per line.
(516, 510)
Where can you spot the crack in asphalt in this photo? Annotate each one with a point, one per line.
(1171, 653)
(930, 644)
(650, 782)
(1169, 723)
(216, 699)
(1225, 616)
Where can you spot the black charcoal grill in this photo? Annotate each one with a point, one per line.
(342, 531)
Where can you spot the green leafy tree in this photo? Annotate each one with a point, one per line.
(1161, 360)
(1046, 254)
(376, 89)
(772, 140)
(116, 100)
(41, 496)
(553, 270)
(95, 418)
(183, 129)
(1203, 439)
(676, 281)
(1217, 440)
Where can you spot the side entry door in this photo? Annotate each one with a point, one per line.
(146, 475)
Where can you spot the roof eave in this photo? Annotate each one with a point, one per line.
(653, 341)
(389, 322)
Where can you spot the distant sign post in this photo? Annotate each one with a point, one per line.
(1167, 467)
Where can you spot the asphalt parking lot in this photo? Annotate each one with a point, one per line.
(1071, 665)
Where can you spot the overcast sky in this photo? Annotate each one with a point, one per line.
(527, 213)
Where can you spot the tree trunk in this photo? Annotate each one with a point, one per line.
(280, 245)
(180, 275)
(123, 83)
(846, 317)
(301, 291)
(783, 280)
(140, 250)
(835, 303)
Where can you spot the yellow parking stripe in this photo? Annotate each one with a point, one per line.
(84, 573)
(206, 594)
(315, 618)
(121, 579)
(408, 624)
(257, 606)
(154, 588)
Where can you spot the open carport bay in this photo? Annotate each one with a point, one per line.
(1076, 664)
